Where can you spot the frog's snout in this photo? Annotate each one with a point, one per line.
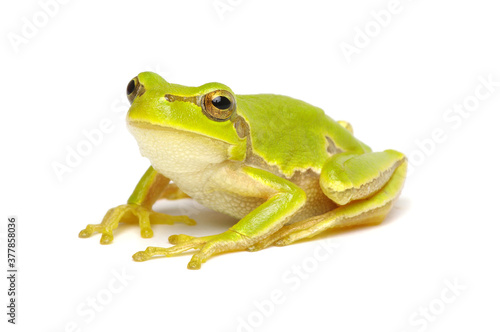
(134, 89)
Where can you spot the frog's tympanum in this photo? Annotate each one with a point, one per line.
(281, 166)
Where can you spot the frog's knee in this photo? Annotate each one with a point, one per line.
(346, 125)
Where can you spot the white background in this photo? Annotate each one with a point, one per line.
(68, 76)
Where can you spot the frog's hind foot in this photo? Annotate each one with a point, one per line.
(207, 247)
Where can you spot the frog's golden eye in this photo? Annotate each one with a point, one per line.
(218, 105)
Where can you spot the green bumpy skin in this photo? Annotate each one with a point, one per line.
(281, 166)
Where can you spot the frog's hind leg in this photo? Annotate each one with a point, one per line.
(369, 210)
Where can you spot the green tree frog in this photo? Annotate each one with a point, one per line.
(281, 166)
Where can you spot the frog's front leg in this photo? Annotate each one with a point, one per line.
(150, 188)
(364, 186)
(283, 199)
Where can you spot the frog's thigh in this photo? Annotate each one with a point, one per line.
(283, 200)
(372, 210)
(286, 199)
(347, 177)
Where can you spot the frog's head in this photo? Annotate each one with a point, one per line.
(182, 129)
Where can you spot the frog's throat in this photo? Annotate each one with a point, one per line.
(172, 150)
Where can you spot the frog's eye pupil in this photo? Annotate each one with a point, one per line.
(221, 102)
(218, 105)
(130, 87)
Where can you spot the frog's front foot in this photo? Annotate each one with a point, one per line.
(131, 213)
(207, 245)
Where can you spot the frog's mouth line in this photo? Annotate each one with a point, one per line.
(147, 125)
(150, 126)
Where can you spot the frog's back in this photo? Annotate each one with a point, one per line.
(291, 134)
